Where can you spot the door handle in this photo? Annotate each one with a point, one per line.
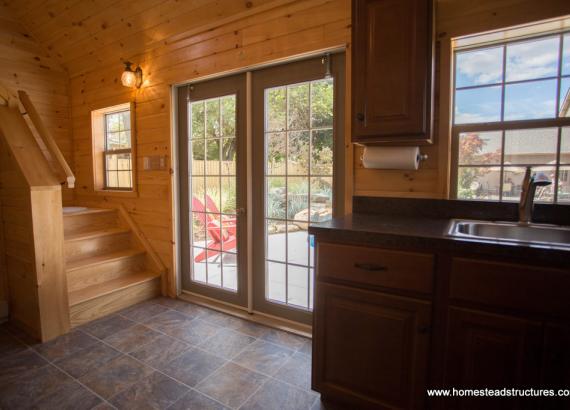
(240, 211)
(370, 267)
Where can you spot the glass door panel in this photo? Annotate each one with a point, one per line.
(213, 182)
(212, 232)
(298, 185)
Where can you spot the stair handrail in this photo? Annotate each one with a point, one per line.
(64, 171)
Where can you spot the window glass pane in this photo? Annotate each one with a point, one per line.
(228, 115)
(478, 105)
(112, 179)
(322, 152)
(565, 146)
(297, 243)
(564, 105)
(197, 123)
(125, 139)
(112, 162)
(479, 183)
(532, 59)
(477, 148)
(112, 122)
(537, 146)
(276, 109)
(276, 197)
(229, 271)
(566, 55)
(113, 141)
(229, 155)
(276, 153)
(298, 153)
(297, 286)
(276, 240)
(125, 120)
(298, 198)
(199, 264)
(322, 103)
(479, 67)
(276, 281)
(198, 156)
(531, 100)
(214, 268)
(124, 162)
(124, 179)
(564, 185)
(198, 194)
(229, 198)
(298, 103)
(213, 118)
(199, 222)
(213, 157)
(321, 199)
(213, 196)
(513, 179)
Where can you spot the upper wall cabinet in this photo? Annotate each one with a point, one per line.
(392, 71)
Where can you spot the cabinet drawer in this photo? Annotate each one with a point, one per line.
(378, 267)
(530, 288)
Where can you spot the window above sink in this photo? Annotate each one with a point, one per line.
(511, 110)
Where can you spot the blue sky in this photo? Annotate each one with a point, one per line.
(527, 60)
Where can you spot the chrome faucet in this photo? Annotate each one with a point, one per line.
(530, 183)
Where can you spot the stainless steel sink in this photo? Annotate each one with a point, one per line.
(551, 235)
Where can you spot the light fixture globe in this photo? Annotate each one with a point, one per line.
(131, 78)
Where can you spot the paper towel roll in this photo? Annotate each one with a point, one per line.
(391, 157)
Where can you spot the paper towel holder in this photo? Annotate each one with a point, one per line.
(421, 157)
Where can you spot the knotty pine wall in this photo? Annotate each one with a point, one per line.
(281, 29)
(25, 65)
(289, 29)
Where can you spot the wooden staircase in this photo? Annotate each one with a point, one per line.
(108, 265)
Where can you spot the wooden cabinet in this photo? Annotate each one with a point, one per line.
(489, 350)
(372, 348)
(392, 71)
(556, 356)
(496, 324)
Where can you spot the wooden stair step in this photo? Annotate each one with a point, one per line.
(89, 211)
(80, 236)
(90, 220)
(112, 286)
(104, 258)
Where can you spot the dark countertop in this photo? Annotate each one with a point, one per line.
(430, 234)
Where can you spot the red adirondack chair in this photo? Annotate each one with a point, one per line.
(211, 207)
(222, 235)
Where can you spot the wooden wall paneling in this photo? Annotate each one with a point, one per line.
(192, 54)
(25, 65)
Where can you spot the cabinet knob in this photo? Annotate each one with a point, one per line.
(370, 267)
(360, 116)
(424, 329)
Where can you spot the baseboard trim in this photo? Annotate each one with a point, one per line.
(241, 312)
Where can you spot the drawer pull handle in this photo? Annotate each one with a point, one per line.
(370, 267)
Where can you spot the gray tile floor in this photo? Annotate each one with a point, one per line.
(160, 354)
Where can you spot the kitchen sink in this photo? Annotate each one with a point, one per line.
(512, 232)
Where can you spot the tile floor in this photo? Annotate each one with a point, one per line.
(160, 354)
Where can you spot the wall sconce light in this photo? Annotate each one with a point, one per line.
(132, 78)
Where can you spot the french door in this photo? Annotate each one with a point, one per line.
(295, 178)
(212, 168)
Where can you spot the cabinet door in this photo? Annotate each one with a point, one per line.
(392, 70)
(556, 357)
(485, 350)
(370, 348)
